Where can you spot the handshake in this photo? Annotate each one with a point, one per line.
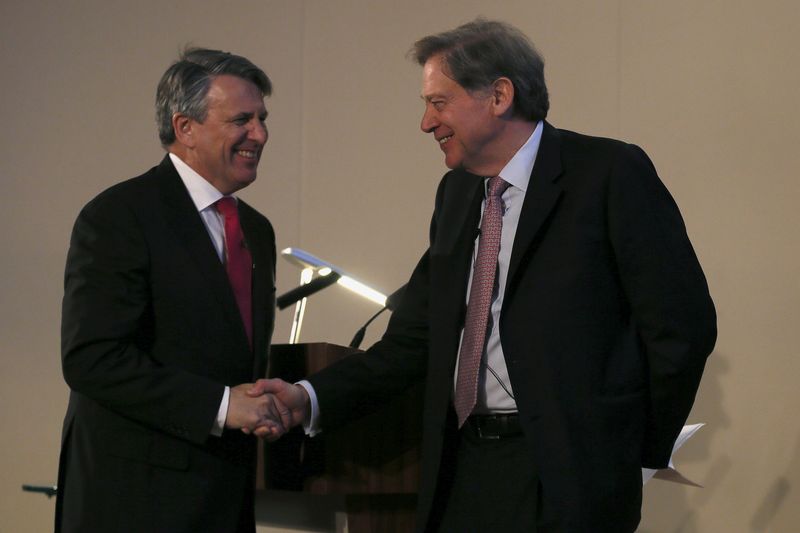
(267, 408)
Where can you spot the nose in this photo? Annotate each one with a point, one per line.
(259, 133)
(429, 119)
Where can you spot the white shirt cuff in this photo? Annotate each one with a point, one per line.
(222, 414)
(312, 426)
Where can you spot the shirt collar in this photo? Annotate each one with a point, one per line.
(518, 170)
(203, 194)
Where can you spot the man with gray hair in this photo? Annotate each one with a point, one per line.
(559, 318)
(167, 317)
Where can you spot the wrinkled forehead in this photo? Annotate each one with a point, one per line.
(232, 92)
(436, 77)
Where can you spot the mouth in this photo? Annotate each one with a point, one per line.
(444, 139)
(247, 154)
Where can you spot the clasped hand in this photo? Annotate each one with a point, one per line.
(267, 408)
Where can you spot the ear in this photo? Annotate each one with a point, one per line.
(502, 96)
(183, 127)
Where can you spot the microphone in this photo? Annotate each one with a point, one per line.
(394, 299)
(48, 490)
(392, 302)
(298, 293)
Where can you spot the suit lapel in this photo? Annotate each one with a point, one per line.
(456, 230)
(458, 211)
(262, 250)
(540, 199)
(184, 220)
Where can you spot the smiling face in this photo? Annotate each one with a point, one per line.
(466, 125)
(226, 147)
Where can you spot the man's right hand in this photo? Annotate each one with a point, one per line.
(248, 412)
(292, 399)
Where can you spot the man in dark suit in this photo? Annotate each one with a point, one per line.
(559, 318)
(167, 317)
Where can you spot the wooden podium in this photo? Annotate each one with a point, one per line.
(373, 462)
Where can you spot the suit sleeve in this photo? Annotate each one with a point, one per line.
(107, 326)
(360, 383)
(667, 291)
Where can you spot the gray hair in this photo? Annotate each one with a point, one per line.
(184, 86)
(477, 53)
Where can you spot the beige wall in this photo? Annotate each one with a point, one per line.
(706, 87)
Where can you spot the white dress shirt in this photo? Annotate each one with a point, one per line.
(495, 394)
(204, 195)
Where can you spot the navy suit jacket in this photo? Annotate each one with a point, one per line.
(606, 325)
(151, 334)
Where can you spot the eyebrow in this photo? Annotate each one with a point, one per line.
(248, 114)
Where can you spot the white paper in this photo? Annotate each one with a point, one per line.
(671, 473)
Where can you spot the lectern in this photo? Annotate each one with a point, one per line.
(372, 462)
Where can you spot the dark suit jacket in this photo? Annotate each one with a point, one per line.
(151, 334)
(606, 325)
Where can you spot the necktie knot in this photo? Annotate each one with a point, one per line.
(226, 206)
(497, 186)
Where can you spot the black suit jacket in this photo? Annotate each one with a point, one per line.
(151, 334)
(606, 325)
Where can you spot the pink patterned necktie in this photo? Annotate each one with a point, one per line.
(238, 262)
(480, 301)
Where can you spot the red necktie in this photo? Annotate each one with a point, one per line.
(480, 301)
(238, 262)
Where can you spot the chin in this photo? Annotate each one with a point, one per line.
(453, 163)
(247, 178)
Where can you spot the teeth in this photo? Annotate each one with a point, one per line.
(246, 153)
(445, 139)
